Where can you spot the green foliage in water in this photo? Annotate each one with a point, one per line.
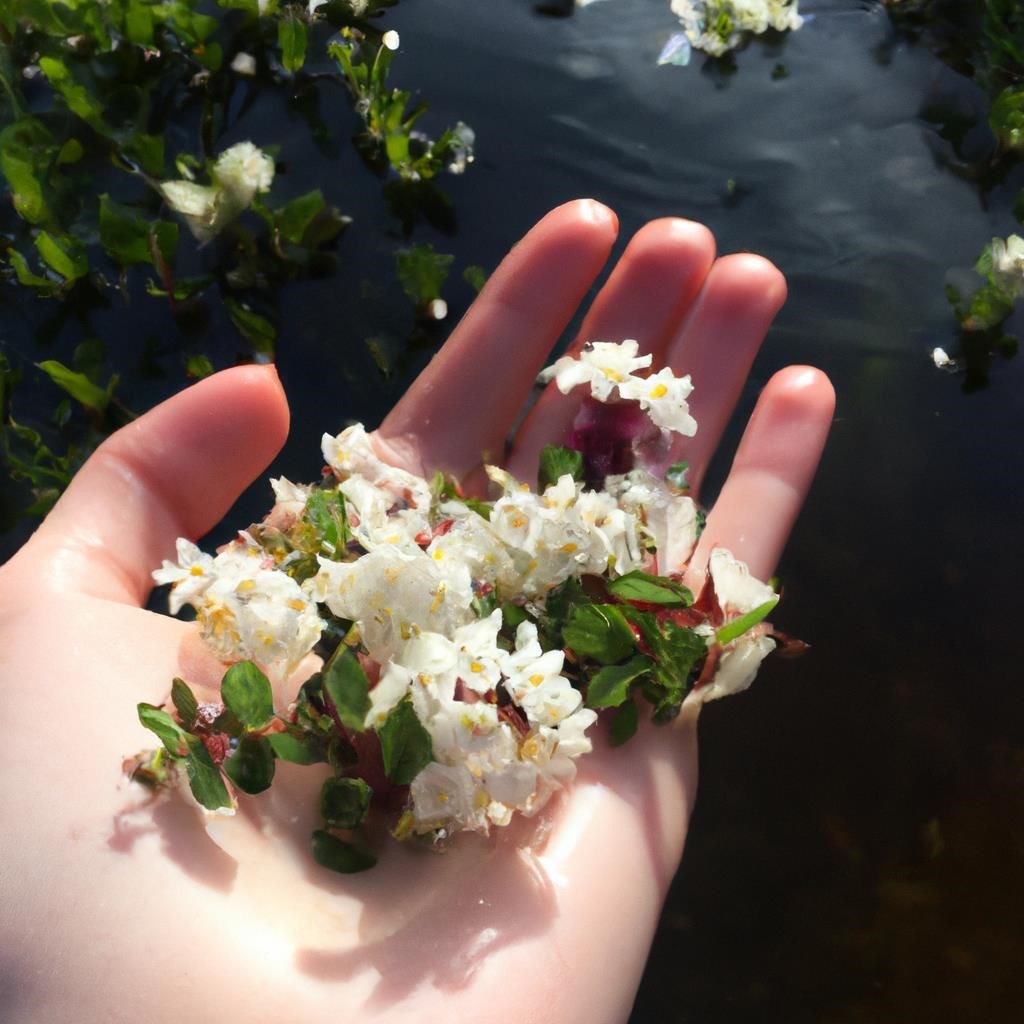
(120, 186)
(983, 40)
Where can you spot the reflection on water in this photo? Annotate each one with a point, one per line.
(852, 854)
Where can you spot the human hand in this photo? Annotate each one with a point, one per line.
(142, 913)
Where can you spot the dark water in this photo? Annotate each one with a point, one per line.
(857, 846)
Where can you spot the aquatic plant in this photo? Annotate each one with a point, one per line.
(101, 104)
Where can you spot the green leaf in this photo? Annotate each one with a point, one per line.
(184, 701)
(731, 630)
(204, 777)
(26, 150)
(77, 385)
(251, 766)
(405, 744)
(326, 511)
(246, 693)
(642, 586)
(78, 97)
(256, 329)
(71, 152)
(422, 272)
(291, 38)
(296, 215)
(475, 277)
(610, 687)
(167, 730)
(344, 802)
(297, 748)
(346, 685)
(26, 277)
(198, 366)
(128, 238)
(65, 255)
(331, 852)
(624, 724)
(555, 462)
(599, 631)
(1006, 117)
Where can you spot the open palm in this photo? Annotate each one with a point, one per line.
(118, 908)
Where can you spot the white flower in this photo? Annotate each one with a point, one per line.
(715, 26)
(190, 578)
(541, 691)
(445, 794)
(239, 173)
(670, 519)
(1008, 264)
(351, 454)
(736, 589)
(393, 595)
(738, 592)
(601, 364)
(663, 397)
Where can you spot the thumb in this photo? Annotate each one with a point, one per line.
(173, 472)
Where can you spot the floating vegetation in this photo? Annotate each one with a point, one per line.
(126, 184)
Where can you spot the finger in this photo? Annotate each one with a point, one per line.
(646, 298)
(717, 345)
(486, 369)
(771, 473)
(173, 472)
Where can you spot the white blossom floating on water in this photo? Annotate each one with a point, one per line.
(239, 174)
(470, 644)
(1008, 265)
(717, 26)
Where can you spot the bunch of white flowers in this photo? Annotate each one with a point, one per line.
(717, 26)
(448, 604)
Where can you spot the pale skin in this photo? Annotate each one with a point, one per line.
(117, 908)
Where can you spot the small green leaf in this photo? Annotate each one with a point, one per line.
(64, 255)
(292, 39)
(731, 630)
(1006, 117)
(348, 688)
(599, 631)
(642, 586)
(422, 272)
(204, 776)
(405, 744)
(251, 766)
(184, 701)
(344, 802)
(198, 366)
(296, 215)
(71, 152)
(624, 724)
(331, 852)
(256, 329)
(556, 462)
(326, 511)
(170, 734)
(246, 692)
(475, 277)
(610, 687)
(77, 385)
(129, 238)
(298, 749)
